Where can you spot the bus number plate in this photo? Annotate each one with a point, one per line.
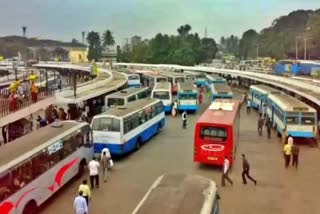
(212, 158)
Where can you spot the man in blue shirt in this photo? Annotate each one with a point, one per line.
(80, 204)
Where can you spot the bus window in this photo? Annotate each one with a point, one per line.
(133, 77)
(115, 102)
(162, 95)
(132, 98)
(130, 123)
(106, 124)
(188, 96)
(213, 133)
(5, 186)
(142, 94)
(307, 120)
(292, 120)
(40, 164)
(179, 79)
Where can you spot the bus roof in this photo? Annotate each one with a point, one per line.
(264, 89)
(289, 103)
(121, 111)
(178, 193)
(162, 86)
(127, 92)
(171, 74)
(221, 87)
(220, 116)
(215, 76)
(27, 143)
(186, 86)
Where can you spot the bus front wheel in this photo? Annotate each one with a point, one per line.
(30, 208)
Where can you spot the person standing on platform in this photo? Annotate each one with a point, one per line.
(248, 105)
(260, 124)
(295, 150)
(184, 119)
(290, 140)
(200, 97)
(85, 189)
(174, 108)
(269, 127)
(34, 92)
(287, 154)
(245, 171)
(80, 205)
(225, 172)
(94, 173)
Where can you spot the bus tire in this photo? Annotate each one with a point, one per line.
(138, 143)
(82, 164)
(30, 208)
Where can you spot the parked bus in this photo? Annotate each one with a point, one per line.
(258, 95)
(200, 78)
(125, 96)
(216, 132)
(180, 193)
(291, 116)
(133, 78)
(220, 90)
(162, 91)
(151, 78)
(174, 79)
(214, 78)
(37, 165)
(187, 96)
(125, 128)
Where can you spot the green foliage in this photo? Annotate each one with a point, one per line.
(184, 49)
(248, 44)
(95, 48)
(108, 39)
(229, 45)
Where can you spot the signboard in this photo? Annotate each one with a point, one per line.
(55, 147)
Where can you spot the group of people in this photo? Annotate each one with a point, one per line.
(81, 202)
(245, 171)
(22, 93)
(291, 151)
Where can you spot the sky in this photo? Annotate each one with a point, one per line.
(66, 19)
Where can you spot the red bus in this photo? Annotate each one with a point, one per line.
(217, 132)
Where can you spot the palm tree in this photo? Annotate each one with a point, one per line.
(108, 39)
(184, 29)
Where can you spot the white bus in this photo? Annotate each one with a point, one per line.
(133, 78)
(163, 91)
(151, 78)
(125, 128)
(174, 79)
(180, 193)
(35, 166)
(125, 96)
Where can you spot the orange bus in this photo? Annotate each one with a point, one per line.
(217, 132)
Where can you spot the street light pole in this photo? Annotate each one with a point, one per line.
(296, 49)
(305, 48)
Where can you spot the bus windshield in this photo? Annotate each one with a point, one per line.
(216, 134)
(133, 77)
(162, 95)
(161, 79)
(201, 76)
(179, 79)
(106, 124)
(188, 96)
(112, 102)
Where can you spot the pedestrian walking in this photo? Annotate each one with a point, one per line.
(269, 127)
(260, 124)
(85, 189)
(174, 108)
(290, 140)
(80, 205)
(34, 92)
(295, 150)
(94, 173)
(248, 105)
(200, 96)
(105, 160)
(287, 154)
(184, 119)
(225, 172)
(245, 171)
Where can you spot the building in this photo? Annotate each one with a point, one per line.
(78, 55)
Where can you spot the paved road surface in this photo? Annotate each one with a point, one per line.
(279, 190)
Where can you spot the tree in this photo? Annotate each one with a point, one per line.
(184, 29)
(24, 31)
(248, 44)
(108, 39)
(95, 49)
(75, 41)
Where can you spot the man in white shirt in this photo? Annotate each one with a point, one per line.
(80, 205)
(94, 172)
(225, 171)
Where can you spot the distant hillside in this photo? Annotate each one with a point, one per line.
(11, 45)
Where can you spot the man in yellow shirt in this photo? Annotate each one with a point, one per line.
(287, 154)
(85, 189)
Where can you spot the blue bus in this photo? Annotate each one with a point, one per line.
(200, 78)
(220, 90)
(214, 78)
(291, 116)
(258, 95)
(125, 96)
(125, 128)
(187, 96)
